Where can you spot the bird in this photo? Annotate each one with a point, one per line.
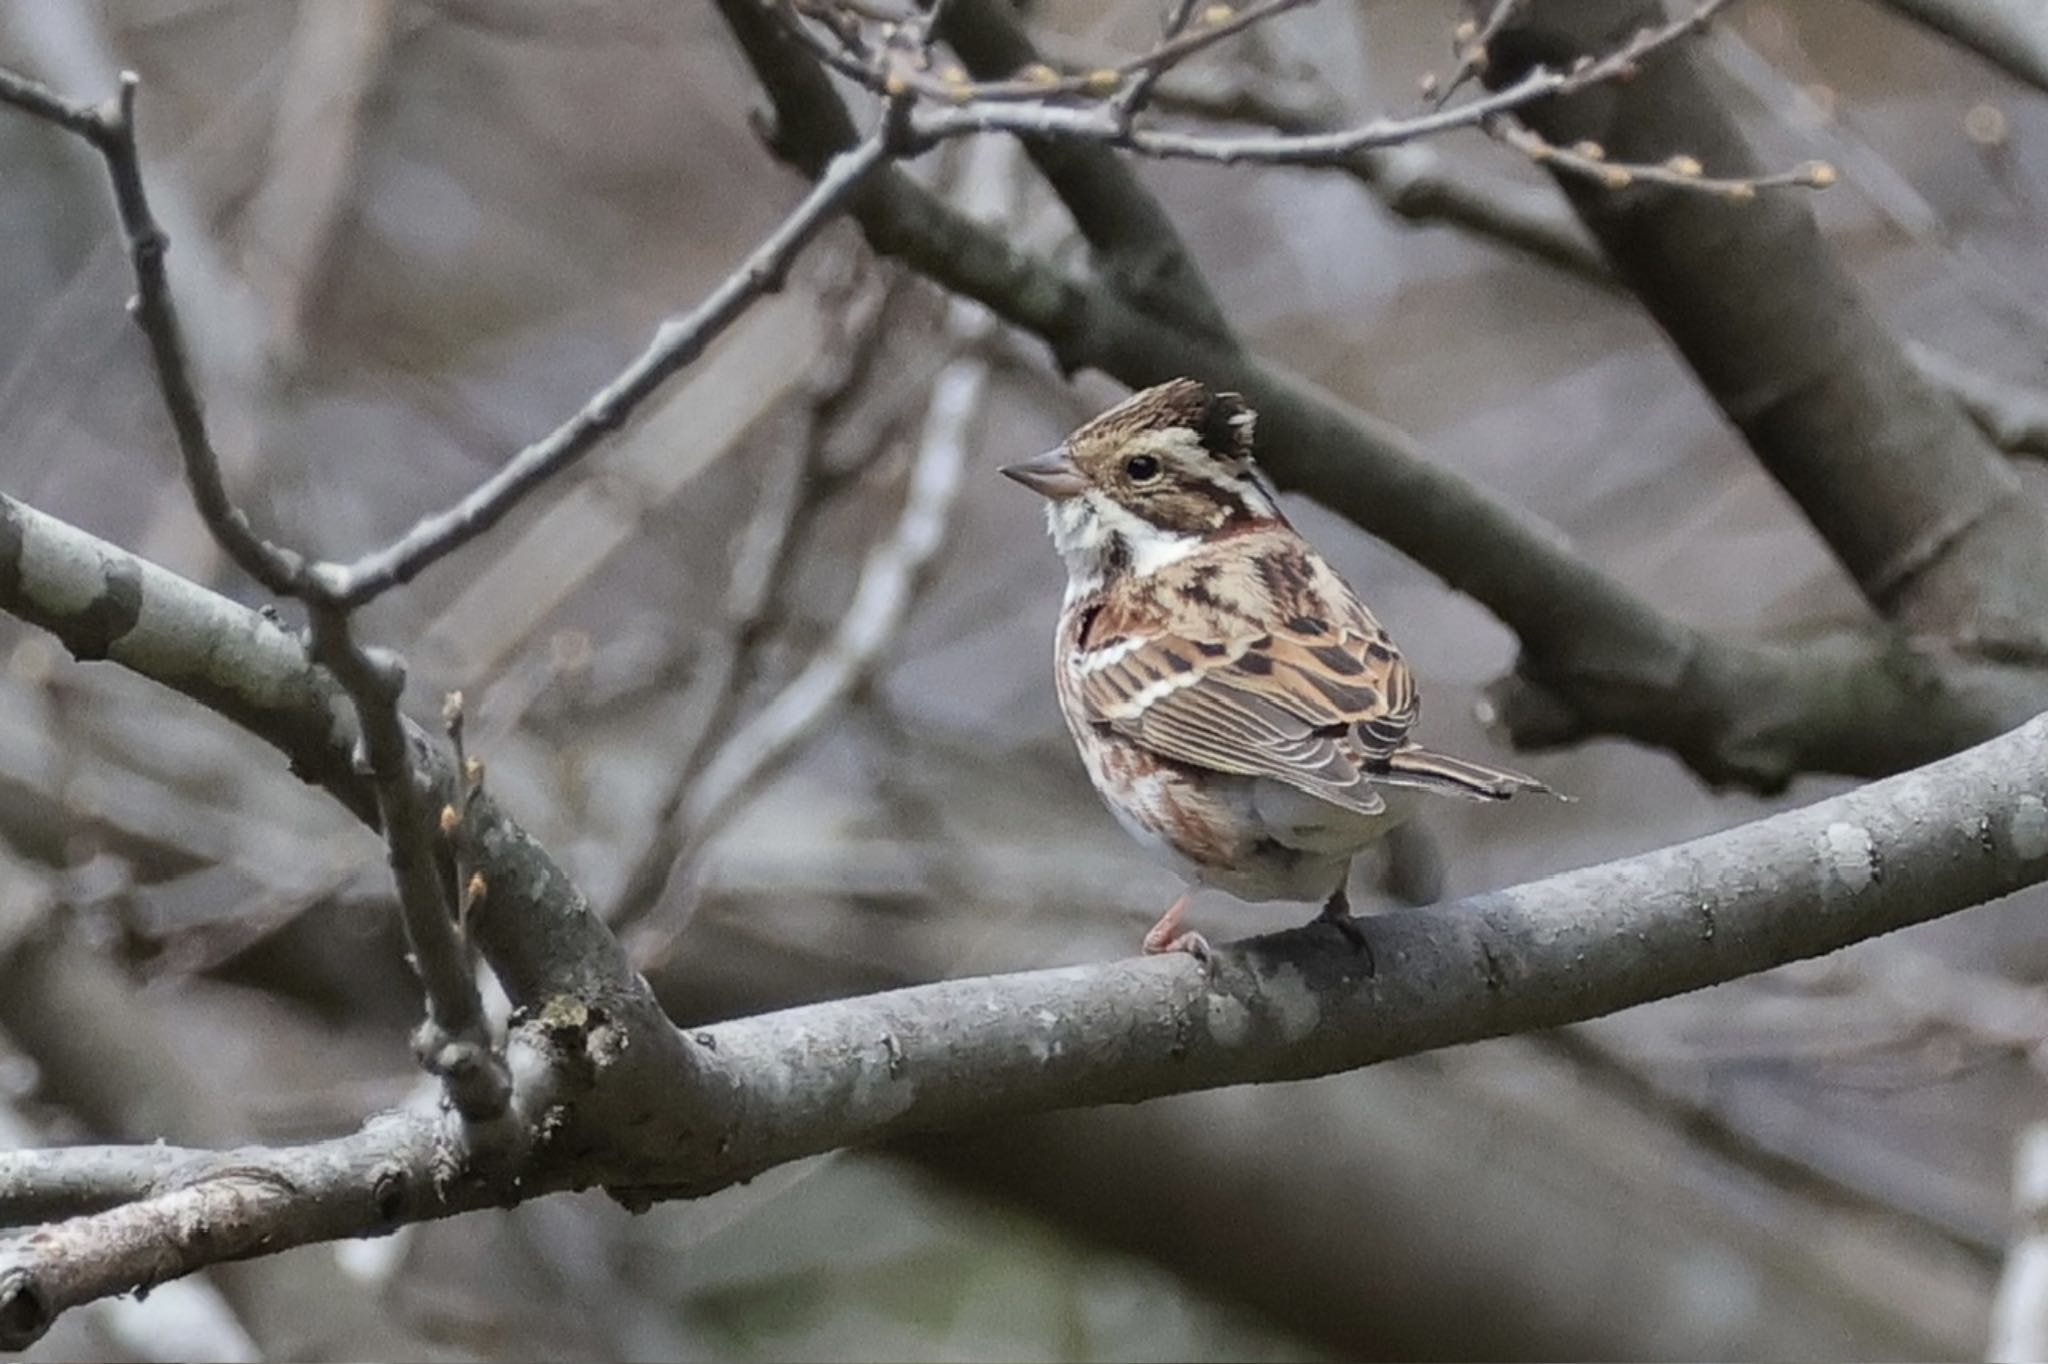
(1238, 709)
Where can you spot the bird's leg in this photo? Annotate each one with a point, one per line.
(1167, 935)
(1337, 913)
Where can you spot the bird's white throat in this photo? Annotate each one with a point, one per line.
(1088, 530)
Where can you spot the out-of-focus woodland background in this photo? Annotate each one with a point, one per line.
(411, 236)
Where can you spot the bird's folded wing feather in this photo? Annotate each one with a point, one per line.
(1274, 692)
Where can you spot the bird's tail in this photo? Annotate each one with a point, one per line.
(1420, 768)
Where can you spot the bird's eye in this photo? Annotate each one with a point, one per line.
(1142, 468)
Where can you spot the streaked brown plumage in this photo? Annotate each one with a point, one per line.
(1240, 711)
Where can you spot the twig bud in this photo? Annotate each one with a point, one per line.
(1687, 166)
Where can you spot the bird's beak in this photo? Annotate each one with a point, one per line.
(1051, 475)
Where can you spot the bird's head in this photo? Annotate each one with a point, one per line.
(1150, 480)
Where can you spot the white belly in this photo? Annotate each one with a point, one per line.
(1290, 845)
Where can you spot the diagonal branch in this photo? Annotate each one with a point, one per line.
(1290, 1006)
(676, 345)
(110, 129)
(1930, 521)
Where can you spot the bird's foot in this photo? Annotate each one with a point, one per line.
(1168, 936)
(1337, 913)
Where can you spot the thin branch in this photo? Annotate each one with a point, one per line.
(1134, 241)
(1099, 123)
(1129, 102)
(110, 129)
(1473, 41)
(676, 344)
(34, 98)
(895, 568)
(1289, 1006)
(454, 1042)
(1589, 161)
(765, 561)
(1412, 181)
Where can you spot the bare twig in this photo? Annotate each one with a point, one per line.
(1130, 101)
(110, 129)
(1135, 244)
(1026, 107)
(882, 70)
(1099, 123)
(1589, 161)
(1473, 43)
(455, 1041)
(676, 344)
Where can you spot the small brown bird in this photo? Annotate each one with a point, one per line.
(1240, 712)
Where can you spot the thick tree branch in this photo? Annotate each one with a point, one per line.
(779, 1086)
(2010, 34)
(1928, 519)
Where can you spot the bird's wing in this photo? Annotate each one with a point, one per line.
(1257, 661)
